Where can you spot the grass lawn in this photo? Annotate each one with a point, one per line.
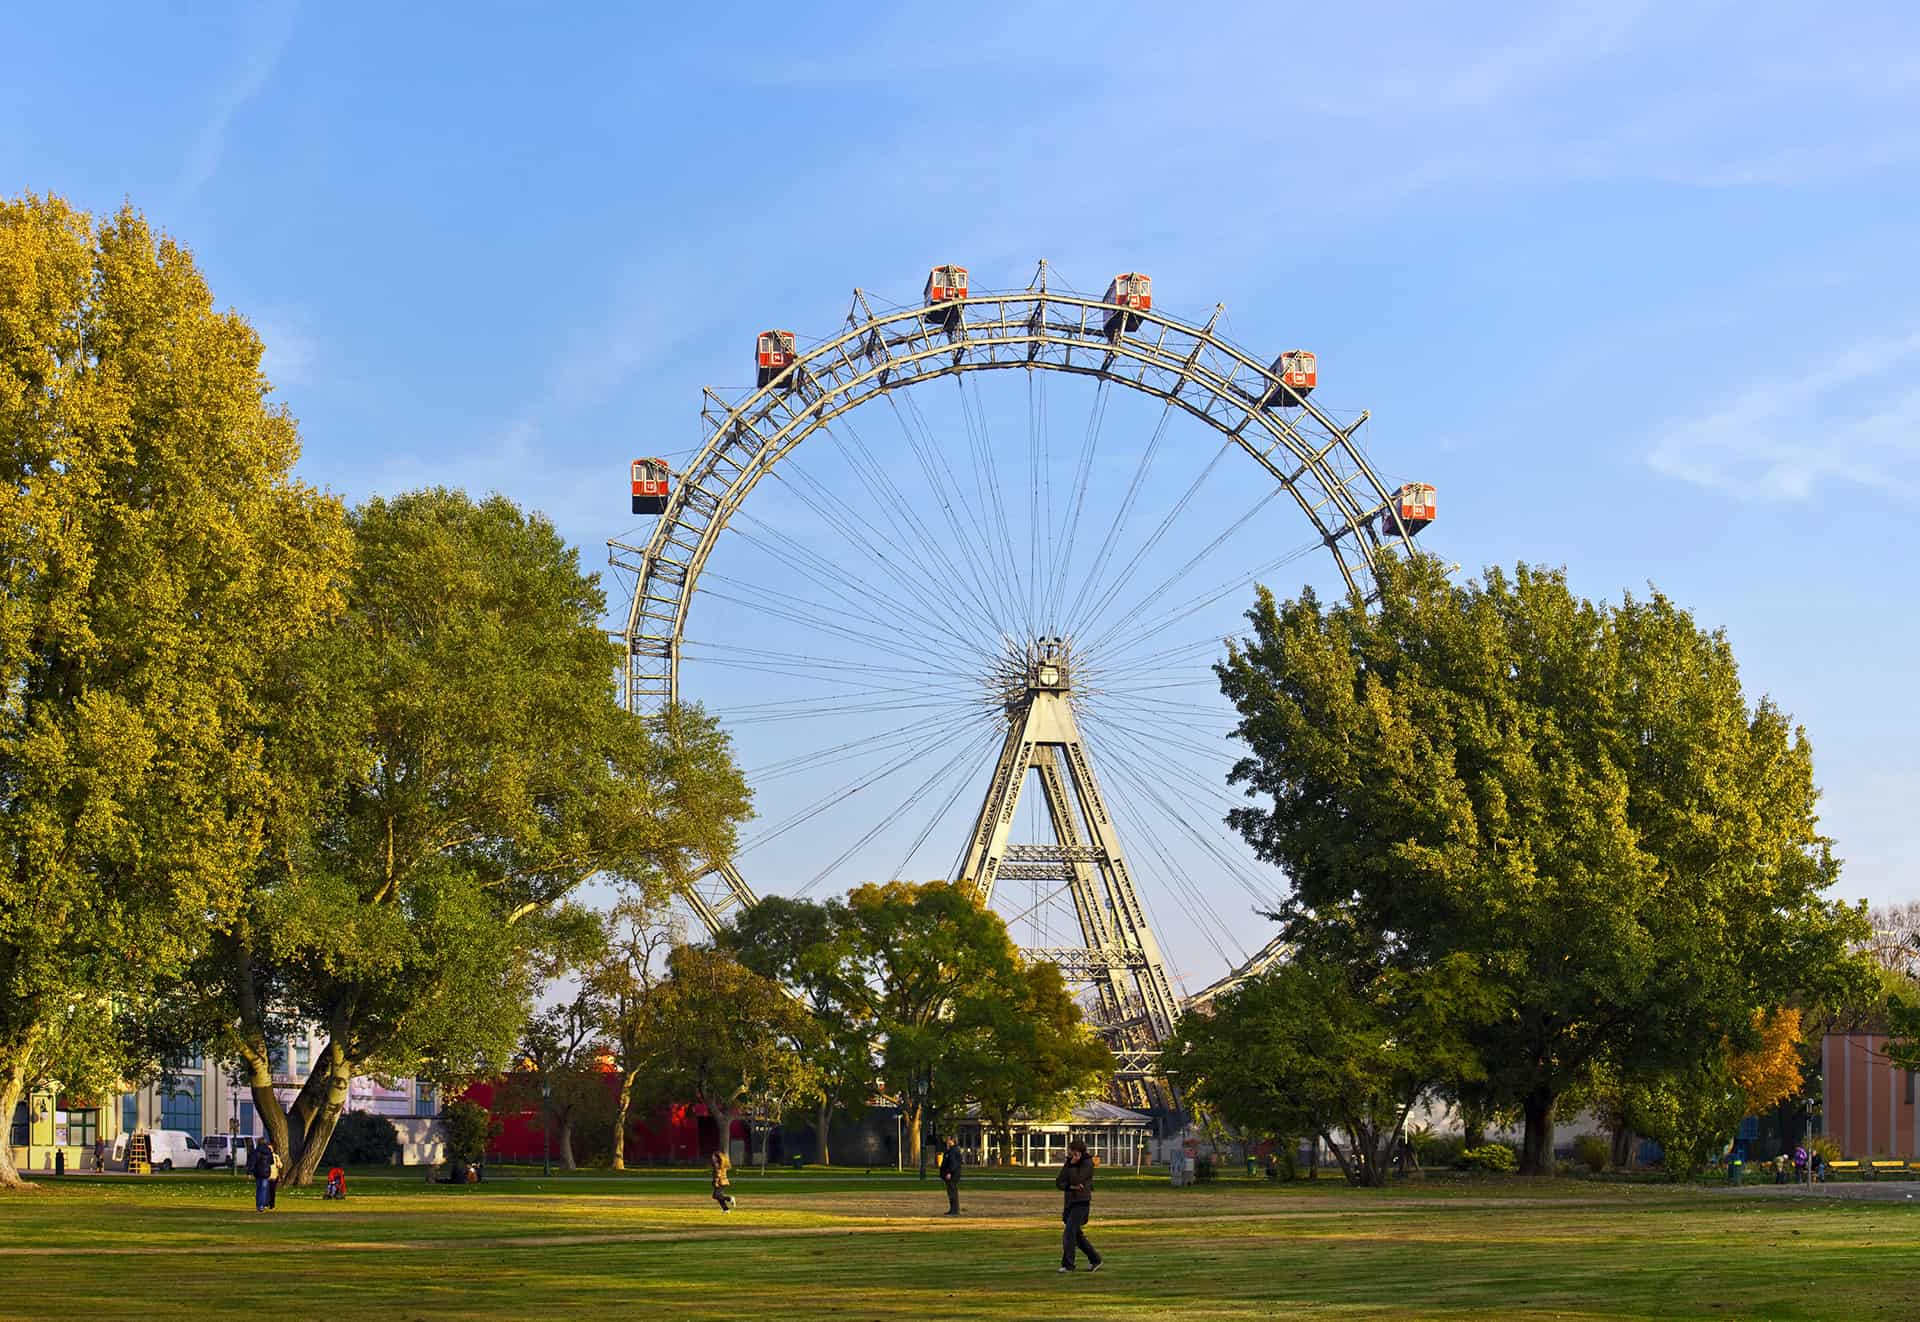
(812, 1245)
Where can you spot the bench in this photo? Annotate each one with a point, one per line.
(1888, 1168)
(1836, 1168)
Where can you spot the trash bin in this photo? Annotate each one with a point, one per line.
(59, 1161)
(1735, 1170)
(1249, 1165)
(795, 1161)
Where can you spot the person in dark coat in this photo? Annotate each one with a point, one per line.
(260, 1166)
(722, 1193)
(1076, 1181)
(950, 1174)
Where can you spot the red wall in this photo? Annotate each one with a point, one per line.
(1869, 1104)
(676, 1132)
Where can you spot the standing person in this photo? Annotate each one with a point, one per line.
(1076, 1180)
(950, 1173)
(273, 1178)
(721, 1193)
(260, 1166)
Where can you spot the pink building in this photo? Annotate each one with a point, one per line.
(1869, 1108)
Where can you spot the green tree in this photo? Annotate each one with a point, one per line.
(726, 1036)
(1326, 1046)
(159, 557)
(562, 1076)
(1576, 795)
(469, 766)
(808, 947)
(636, 936)
(469, 1129)
(918, 951)
(1023, 1050)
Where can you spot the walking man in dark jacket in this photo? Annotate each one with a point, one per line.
(1076, 1181)
(260, 1166)
(950, 1174)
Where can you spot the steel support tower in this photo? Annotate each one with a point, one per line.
(1118, 958)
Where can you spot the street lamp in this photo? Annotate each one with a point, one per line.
(546, 1124)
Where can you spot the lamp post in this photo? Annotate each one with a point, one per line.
(546, 1124)
(899, 1141)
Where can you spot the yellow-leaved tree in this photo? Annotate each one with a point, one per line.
(159, 559)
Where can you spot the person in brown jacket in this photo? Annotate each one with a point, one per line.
(721, 1193)
(1076, 1181)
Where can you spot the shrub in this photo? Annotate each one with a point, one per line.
(1826, 1147)
(362, 1139)
(1592, 1151)
(1496, 1157)
(1434, 1150)
(468, 1128)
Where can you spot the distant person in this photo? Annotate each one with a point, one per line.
(100, 1154)
(1076, 1181)
(950, 1173)
(273, 1178)
(1799, 1164)
(260, 1165)
(722, 1194)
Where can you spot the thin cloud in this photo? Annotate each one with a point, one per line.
(1855, 418)
(271, 26)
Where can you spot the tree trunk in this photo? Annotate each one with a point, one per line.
(13, 1082)
(822, 1119)
(1313, 1158)
(1346, 1167)
(1473, 1123)
(1536, 1152)
(911, 1112)
(566, 1140)
(723, 1121)
(1624, 1142)
(621, 1111)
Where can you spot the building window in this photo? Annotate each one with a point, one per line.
(185, 1062)
(423, 1098)
(277, 1060)
(302, 1057)
(180, 1105)
(246, 1117)
(83, 1127)
(22, 1126)
(129, 1113)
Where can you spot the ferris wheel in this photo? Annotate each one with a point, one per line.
(964, 627)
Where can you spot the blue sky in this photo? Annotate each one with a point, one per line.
(1633, 285)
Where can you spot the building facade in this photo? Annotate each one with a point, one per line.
(1868, 1105)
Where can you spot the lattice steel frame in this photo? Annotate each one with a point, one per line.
(1191, 367)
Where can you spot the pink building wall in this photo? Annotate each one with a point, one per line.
(1869, 1108)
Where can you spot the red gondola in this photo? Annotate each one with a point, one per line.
(652, 480)
(775, 355)
(945, 284)
(1297, 369)
(1131, 291)
(1415, 504)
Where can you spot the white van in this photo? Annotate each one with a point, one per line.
(167, 1149)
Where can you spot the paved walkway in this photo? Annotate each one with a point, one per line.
(1858, 1191)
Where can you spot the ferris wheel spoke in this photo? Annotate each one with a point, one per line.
(1200, 557)
(947, 491)
(1172, 878)
(907, 606)
(947, 587)
(819, 624)
(990, 471)
(934, 561)
(969, 749)
(881, 741)
(1089, 445)
(818, 610)
(1120, 515)
(1158, 791)
(1120, 580)
(940, 733)
(1208, 599)
(970, 776)
(1143, 805)
(741, 655)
